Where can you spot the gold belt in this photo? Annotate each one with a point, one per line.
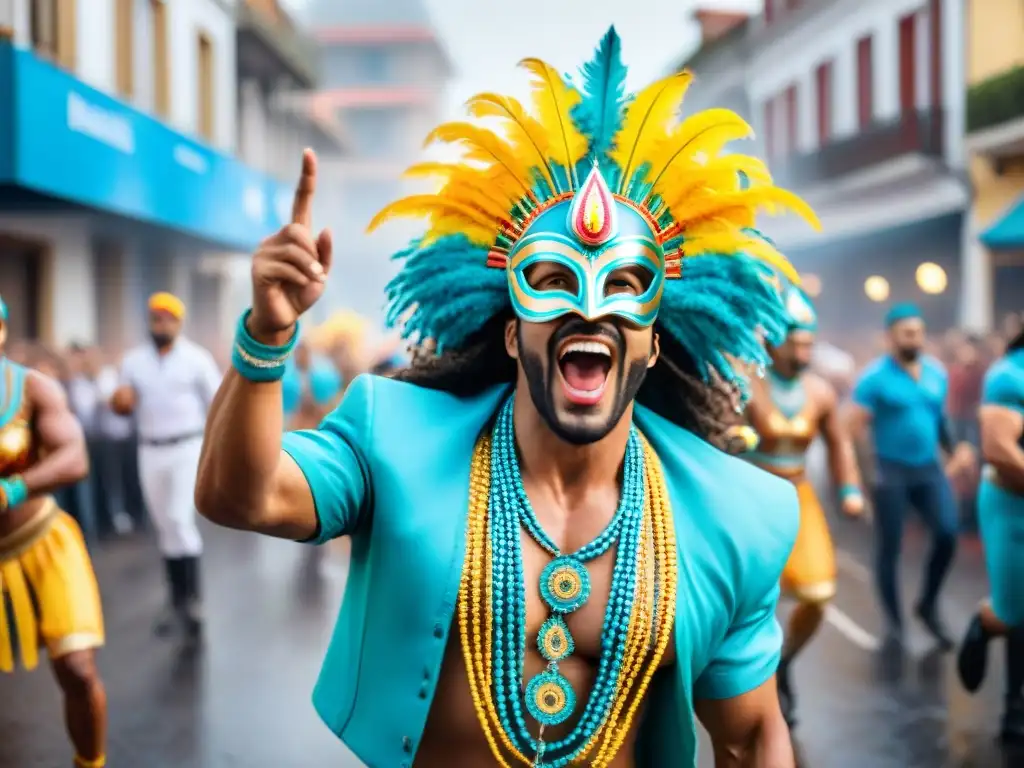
(19, 540)
(793, 474)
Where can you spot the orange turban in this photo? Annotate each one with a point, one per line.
(169, 303)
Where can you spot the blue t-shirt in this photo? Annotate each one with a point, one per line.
(322, 378)
(906, 413)
(1004, 384)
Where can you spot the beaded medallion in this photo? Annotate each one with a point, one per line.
(492, 609)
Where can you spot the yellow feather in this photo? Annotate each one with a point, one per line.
(697, 208)
(718, 173)
(553, 102)
(423, 206)
(527, 135)
(647, 120)
(704, 133)
(736, 242)
(479, 182)
(719, 177)
(483, 146)
(443, 225)
(462, 191)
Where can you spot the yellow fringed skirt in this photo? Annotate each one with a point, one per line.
(49, 593)
(810, 573)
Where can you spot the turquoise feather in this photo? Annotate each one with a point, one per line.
(599, 115)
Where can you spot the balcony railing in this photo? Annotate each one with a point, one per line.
(293, 51)
(996, 100)
(913, 133)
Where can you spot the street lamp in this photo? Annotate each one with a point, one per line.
(931, 278)
(876, 288)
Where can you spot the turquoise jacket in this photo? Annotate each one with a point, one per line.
(390, 468)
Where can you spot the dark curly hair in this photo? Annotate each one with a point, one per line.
(673, 388)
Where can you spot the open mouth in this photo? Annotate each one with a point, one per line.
(585, 366)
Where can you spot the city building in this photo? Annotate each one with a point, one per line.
(995, 141)
(117, 132)
(383, 73)
(859, 107)
(719, 64)
(277, 70)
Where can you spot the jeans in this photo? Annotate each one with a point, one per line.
(117, 495)
(927, 490)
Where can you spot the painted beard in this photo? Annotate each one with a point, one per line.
(581, 372)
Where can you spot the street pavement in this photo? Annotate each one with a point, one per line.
(244, 700)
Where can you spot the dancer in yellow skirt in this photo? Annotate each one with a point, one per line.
(49, 593)
(789, 408)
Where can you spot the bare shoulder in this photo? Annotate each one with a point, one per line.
(820, 389)
(44, 391)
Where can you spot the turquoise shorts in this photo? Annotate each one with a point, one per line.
(1001, 519)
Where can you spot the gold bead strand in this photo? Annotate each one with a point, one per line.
(641, 643)
(668, 564)
(634, 633)
(470, 597)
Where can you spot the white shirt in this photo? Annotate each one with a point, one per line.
(109, 424)
(173, 391)
(82, 397)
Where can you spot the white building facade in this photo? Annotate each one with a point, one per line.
(859, 107)
(119, 174)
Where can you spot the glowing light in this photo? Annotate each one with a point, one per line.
(876, 288)
(811, 285)
(931, 278)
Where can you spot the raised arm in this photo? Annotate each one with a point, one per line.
(246, 480)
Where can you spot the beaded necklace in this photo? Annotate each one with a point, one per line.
(492, 608)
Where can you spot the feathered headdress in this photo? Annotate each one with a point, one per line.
(701, 201)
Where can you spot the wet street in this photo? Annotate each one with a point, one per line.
(244, 700)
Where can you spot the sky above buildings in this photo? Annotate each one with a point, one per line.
(486, 38)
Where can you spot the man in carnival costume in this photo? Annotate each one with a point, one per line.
(1001, 519)
(545, 541)
(48, 593)
(788, 409)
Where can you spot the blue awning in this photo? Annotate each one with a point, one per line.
(61, 138)
(1007, 233)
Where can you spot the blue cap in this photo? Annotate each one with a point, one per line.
(802, 316)
(905, 310)
(3, 310)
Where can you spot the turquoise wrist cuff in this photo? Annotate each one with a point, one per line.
(13, 492)
(256, 361)
(848, 491)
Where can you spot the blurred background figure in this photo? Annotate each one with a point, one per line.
(168, 384)
(312, 385)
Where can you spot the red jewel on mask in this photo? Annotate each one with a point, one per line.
(592, 214)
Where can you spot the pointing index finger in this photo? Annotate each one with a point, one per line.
(302, 206)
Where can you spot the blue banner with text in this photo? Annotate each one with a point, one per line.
(73, 142)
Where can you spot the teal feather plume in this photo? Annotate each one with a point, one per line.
(603, 87)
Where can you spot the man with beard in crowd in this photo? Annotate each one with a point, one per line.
(902, 398)
(168, 384)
